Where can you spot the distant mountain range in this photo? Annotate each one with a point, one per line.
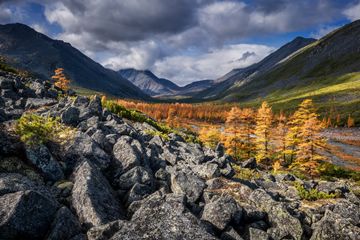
(150, 84)
(29, 50)
(327, 70)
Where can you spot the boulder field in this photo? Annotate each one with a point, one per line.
(112, 179)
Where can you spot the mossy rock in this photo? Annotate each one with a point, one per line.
(16, 165)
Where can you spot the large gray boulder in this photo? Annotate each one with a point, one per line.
(126, 154)
(135, 175)
(32, 103)
(221, 211)
(283, 224)
(82, 146)
(187, 183)
(333, 226)
(25, 215)
(92, 197)
(162, 217)
(64, 226)
(42, 159)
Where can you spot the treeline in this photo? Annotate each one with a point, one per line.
(276, 140)
(211, 113)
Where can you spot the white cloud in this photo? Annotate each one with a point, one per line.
(353, 12)
(210, 65)
(39, 28)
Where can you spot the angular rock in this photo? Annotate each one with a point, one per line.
(187, 183)
(221, 211)
(104, 232)
(64, 226)
(283, 224)
(207, 170)
(135, 175)
(230, 234)
(137, 192)
(93, 198)
(13, 182)
(250, 163)
(126, 154)
(83, 146)
(163, 217)
(32, 103)
(25, 215)
(42, 159)
(257, 234)
(332, 227)
(70, 116)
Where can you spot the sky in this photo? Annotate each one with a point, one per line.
(182, 40)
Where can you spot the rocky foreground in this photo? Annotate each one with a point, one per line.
(110, 179)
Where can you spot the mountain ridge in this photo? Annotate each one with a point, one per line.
(30, 50)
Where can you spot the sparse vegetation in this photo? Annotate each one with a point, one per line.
(245, 173)
(330, 171)
(34, 129)
(312, 194)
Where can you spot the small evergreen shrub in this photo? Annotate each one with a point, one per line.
(312, 194)
(329, 171)
(158, 133)
(35, 130)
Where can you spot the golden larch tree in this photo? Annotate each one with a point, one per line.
(305, 111)
(210, 136)
(246, 130)
(231, 135)
(264, 120)
(350, 122)
(280, 137)
(60, 79)
(307, 154)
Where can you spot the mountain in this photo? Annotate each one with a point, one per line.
(148, 82)
(327, 70)
(30, 50)
(243, 75)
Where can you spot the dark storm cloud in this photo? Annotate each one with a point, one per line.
(126, 20)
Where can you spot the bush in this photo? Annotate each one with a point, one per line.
(158, 133)
(34, 129)
(245, 173)
(312, 194)
(329, 171)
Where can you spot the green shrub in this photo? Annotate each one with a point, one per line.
(329, 171)
(158, 133)
(245, 173)
(312, 194)
(137, 116)
(34, 129)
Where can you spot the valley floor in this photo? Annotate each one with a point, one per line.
(343, 147)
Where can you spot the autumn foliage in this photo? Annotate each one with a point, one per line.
(60, 79)
(274, 139)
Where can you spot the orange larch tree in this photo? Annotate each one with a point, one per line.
(264, 120)
(60, 79)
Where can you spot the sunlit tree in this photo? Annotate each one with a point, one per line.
(210, 136)
(60, 79)
(305, 111)
(264, 119)
(350, 121)
(280, 136)
(231, 135)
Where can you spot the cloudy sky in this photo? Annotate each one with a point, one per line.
(183, 40)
